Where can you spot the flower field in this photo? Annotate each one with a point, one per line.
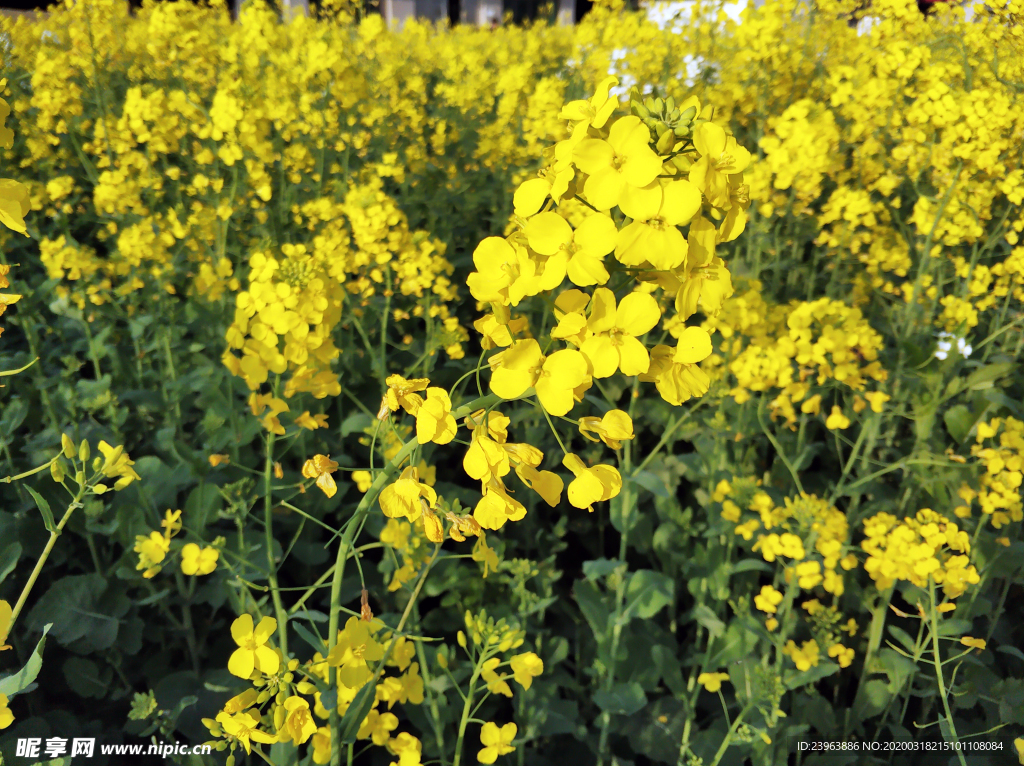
(645, 391)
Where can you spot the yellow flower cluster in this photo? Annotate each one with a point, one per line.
(288, 689)
(999, 495)
(154, 547)
(926, 547)
(642, 176)
(775, 347)
(808, 531)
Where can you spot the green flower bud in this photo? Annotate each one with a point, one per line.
(68, 446)
(57, 471)
(99, 489)
(666, 140)
(79, 477)
(83, 451)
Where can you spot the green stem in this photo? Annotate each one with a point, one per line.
(466, 709)
(347, 539)
(25, 591)
(729, 734)
(938, 672)
(268, 542)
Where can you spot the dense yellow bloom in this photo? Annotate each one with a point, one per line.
(804, 657)
(578, 254)
(378, 727)
(595, 111)
(152, 550)
(252, 652)
(355, 648)
(720, 157)
(841, 654)
(402, 394)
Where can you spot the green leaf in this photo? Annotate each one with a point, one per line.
(203, 504)
(872, 700)
(358, 709)
(647, 593)
(900, 669)
(598, 568)
(355, 423)
(668, 666)
(85, 614)
(595, 610)
(622, 699)
(18, 682)
(747, 565)
(986, 376)
(315, 643)
(954, 628)
(1013, 651)
(708, 619)
(85, 678)
(44, 509)
(14, 416)
(903, 637)
(959, 422)
(9, 559)
(794, 679)
(651, 483)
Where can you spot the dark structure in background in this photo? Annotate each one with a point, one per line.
(456, 11)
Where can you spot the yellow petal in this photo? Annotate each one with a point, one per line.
(637, 314)
(694, 346)
(681, 202)
(530, 196)
(547, 232)
(241, 663)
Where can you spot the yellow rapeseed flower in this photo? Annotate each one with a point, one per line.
(712, 681)
(614, 343)
(198, 561)
(496, 741)
(591, 485)
(252, 652)
(320, 467)
(526, 667)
